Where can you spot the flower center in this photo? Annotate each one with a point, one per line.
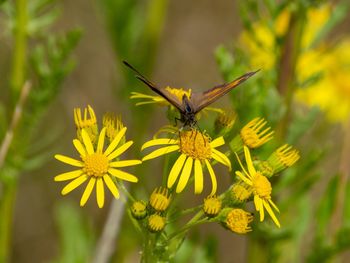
(96, 164)
(262, 186)
(195, 145)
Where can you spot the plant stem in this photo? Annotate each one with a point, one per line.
(286, 82)
(20, 47)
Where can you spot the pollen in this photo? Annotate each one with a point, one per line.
(96, 165)
(262, 186)
(253, 134)
(195, 145)
(238, 221)
(160, 199)
(179, 93)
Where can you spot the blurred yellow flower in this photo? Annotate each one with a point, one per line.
(260, 185)
(331, 92)
(97, 166)
(195, 150)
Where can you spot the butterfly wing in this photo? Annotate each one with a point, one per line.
(201, 100)
(172, 99)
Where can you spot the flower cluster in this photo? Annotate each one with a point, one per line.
(99, 163)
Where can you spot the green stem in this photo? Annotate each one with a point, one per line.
(287, 81)
(125, 191)
(6, 214)
(20, 47)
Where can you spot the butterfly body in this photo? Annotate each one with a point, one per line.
(190, 106)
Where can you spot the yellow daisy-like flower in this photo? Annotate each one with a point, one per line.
(88, 122)
(155, 99)
(113, 124)
(212, 205)
(253, 135)
(147, 99)
(261, 187)
(160, 199)
(97, 166)
(195, 150)
(238, 220)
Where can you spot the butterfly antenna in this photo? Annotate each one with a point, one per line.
(139, 75)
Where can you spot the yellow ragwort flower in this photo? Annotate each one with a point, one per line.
(156, 223)
(238, 220)
(97, 166)
(261, 187)
(113, 124)
(285, 156)
(241, 192)
(160, 199)
(195, 149)
(87, 122)
(139, 209)
(252, 134)
(212, 205)
(147, 99)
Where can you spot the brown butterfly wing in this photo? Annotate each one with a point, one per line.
(172, 99)
(201, 100)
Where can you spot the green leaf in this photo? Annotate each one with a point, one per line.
(326, 206)
(76, 236)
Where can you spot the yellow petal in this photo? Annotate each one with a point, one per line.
(271, 213)
(256, 202)
(155, 142)
(222, 158)
(68, 160)
(212, 177)
(111, 186)
(244, 179)
(240, 163)
(161, 151)
(87, 191)
(68, 175)
(100, 192)
(273, 205)
(74, 184)
(115, 141)
(249, 161)
(80, 148)
(120, 150)
(123, 175)
(125, 163)
(101, 140)
(185, 175)
(198, 177)
(87, 142)
(175, 170)
(217, 142)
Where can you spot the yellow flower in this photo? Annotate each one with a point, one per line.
(87, 122)
(285, 156)
(195, 149)
(240, 192)
(139, 209)
(160, 199)
(261, 187)
(212, 205)
(155, 99)
(331, 92)
(156, 223)
(238, 220)
(113, 125)
(97, 166)
(252, 134)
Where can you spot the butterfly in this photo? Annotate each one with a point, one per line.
(190, 106)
